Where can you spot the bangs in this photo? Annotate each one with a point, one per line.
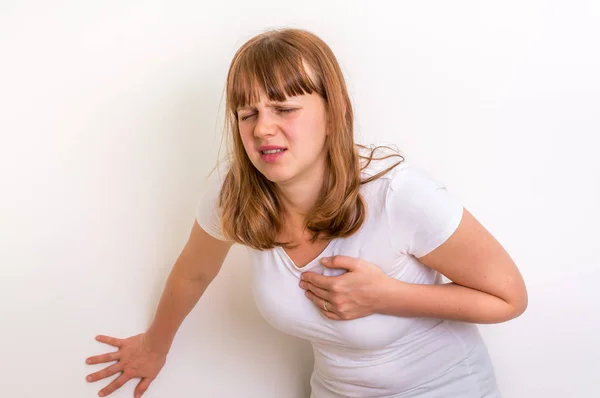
(272, 66)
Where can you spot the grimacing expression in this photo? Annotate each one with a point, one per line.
(295, 129)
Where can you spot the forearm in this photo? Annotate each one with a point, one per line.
(445, 301)
(178, 298)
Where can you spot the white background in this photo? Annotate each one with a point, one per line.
(111, 117)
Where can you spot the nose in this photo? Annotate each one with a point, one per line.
(265, 125)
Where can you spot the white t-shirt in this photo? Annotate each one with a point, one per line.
(408, 215)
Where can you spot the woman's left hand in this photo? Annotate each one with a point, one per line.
(355, 294)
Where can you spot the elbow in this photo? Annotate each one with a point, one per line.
(523, 300)
(518, 299)
(518, 305)
(519, 309)
(523, 305)
(510, 305)
(509, 311)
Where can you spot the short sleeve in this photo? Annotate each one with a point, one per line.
(422, 213)
(208, 213)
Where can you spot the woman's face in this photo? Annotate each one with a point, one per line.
(294, 128)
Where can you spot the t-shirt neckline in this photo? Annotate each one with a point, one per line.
(312, 263)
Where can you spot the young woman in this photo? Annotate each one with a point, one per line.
(347, 243)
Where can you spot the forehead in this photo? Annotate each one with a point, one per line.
(255, 82)
(263, 99)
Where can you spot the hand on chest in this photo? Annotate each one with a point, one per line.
(285, 306)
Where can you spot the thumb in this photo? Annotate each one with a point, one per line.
(142, 387)
(343, 262)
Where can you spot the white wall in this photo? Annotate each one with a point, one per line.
(110, 117)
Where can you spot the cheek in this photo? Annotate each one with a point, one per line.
(246, 137)
(306, 132)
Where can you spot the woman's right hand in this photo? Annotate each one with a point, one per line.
(135, 358)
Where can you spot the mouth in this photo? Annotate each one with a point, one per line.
(271, 155)
(272, 151)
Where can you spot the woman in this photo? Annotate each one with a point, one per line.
(347, 246)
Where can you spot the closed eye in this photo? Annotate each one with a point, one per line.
(279, 110)
(286, 110)
(246, 117)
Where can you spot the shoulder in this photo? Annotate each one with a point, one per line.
(422, 212)
(208, 212)
(419, 211)
(410, 178)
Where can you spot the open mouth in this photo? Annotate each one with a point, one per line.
(272, 151)
(272, 155)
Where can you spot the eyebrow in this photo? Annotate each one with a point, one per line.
(273, 104)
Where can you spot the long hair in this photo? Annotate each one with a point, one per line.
(251, 210)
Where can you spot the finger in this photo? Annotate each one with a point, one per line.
(319, 292)
(104, 373)
(319, 302)
(110, 340)
(331, 315)
(142, 387)
(339, 261)
(318, 280)
(115, 385)
(113, 356)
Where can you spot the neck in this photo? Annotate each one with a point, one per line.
(300, 195)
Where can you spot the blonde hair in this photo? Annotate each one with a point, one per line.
(251, 210)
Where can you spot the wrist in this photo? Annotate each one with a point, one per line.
(157, 342)
(388, 292)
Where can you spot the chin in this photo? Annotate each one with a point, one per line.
(276, 176)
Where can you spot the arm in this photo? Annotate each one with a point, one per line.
(143, 355)
(425, 221)
(196, 267)
(486, 285)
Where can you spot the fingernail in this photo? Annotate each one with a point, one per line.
(89, 378)
(88, 361)
(101, 394)
(325, 260)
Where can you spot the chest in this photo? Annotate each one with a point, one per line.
(284, 305)
(305, 252)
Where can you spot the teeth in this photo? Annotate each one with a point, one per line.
(272, 151)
